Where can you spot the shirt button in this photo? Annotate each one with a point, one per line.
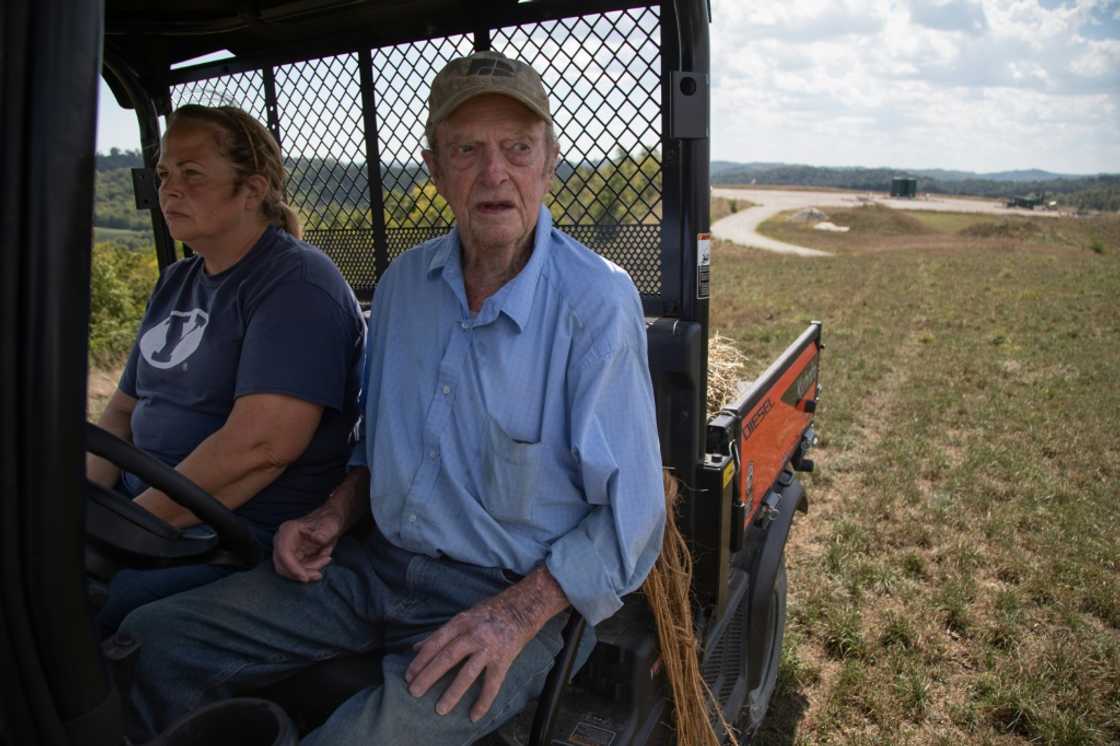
(464, 324)
(412, 518)
(433, 453)
(446, 389)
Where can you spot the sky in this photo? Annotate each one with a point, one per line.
(974, 85)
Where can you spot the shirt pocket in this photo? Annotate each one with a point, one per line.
(509, 472)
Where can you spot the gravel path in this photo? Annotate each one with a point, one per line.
(742, 227)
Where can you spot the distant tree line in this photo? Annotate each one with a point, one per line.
(117, 158)
(1101, 192)
(114, 205)
(623, 188)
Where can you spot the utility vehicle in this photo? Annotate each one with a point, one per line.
(342, 85)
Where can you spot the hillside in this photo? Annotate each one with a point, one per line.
(1099, 192)
(330, 193)
(339, 189)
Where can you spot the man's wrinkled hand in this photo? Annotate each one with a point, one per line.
(486, 639)
(303, 547)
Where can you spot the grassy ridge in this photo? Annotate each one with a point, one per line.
(958, 575)
(1097, 192)
(876, 228)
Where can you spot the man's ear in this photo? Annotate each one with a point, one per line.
(551, 161)
(433, 165)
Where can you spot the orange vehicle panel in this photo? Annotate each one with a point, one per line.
(772, 430)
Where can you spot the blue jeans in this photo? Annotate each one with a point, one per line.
(254, 628)
(130, 589)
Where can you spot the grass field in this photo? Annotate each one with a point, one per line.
(876, 228)
(957, 578)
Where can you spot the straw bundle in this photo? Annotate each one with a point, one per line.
(726, 367)
(667, 590)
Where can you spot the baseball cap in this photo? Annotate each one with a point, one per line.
(464, 78)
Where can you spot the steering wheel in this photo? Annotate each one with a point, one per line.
(117, 522)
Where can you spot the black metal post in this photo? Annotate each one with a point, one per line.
(482, 40)
(685, 172)
(272, 110)
(149, 144)
(373, 164)
(545, 717)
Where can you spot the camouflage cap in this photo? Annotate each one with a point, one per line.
(480, 73)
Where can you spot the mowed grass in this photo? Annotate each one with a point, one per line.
(875, 228)
(957, 578)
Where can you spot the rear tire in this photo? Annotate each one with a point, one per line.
(758, 701)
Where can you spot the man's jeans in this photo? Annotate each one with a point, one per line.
(253, 628)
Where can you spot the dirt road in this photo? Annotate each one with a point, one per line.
(741, 227)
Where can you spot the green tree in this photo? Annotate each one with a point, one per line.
(120, 283)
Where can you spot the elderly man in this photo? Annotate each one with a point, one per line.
(509, 455)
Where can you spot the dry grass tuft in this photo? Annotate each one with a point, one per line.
(727, 366)
(1004, 229)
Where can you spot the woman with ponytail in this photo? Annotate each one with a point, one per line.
(247, 364)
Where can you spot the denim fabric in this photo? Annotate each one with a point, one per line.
(254, 628)
(130, 589)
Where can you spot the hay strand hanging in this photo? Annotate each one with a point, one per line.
(667, 590)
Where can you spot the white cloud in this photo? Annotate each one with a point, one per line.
(950, 15)
(973, 84)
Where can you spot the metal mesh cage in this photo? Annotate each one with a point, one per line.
(319, 108)
(244, 90)
(603, 76)
(402, 75)
(319, 104)
(602, 73)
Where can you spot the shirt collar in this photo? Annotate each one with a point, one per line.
(515, 298)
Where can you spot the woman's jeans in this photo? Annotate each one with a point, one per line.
(130, 589)
(254, 628)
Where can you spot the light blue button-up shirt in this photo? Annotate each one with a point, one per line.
(524, 434)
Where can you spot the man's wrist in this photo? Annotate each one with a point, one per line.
(350, 498)
(535, 599)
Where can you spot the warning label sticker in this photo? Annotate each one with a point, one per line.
(590, 735)
(703, 265)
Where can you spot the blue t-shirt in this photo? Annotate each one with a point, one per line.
(281, 321)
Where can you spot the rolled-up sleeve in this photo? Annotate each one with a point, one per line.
(614, 441)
